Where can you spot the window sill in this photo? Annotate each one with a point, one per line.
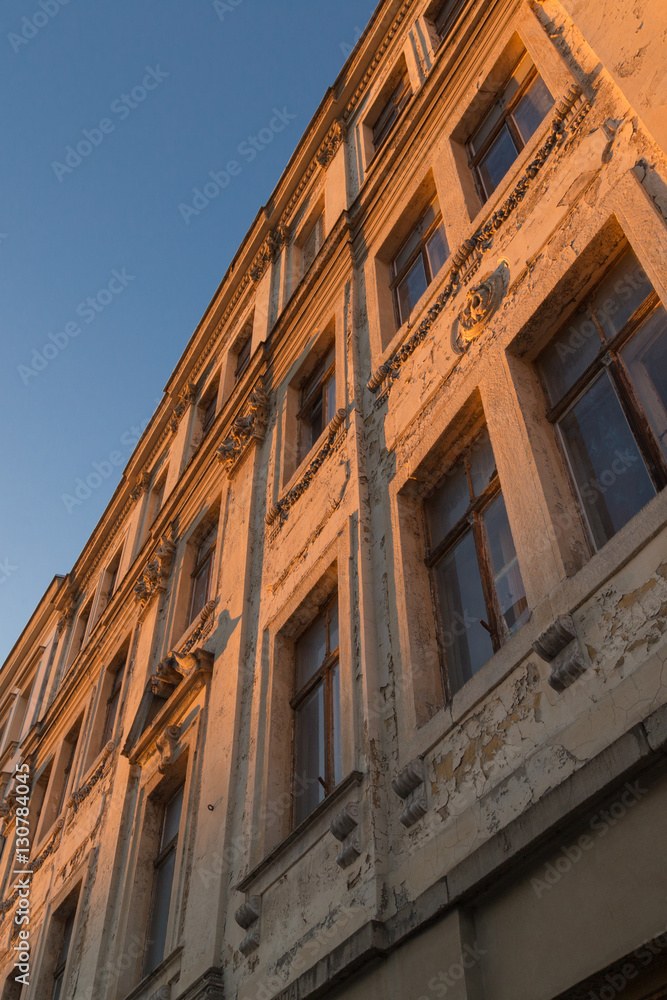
(151, 983)
(302, 838)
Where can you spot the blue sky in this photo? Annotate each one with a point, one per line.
(94, 249)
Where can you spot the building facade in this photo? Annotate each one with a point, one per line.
(358, 687)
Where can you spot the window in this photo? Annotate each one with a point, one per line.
(318, 404)
(112, 576)
(113, 701)
(417, 262)
(243, 357)
(59, 971)
(391, 111)
(312, 243)
(444, 15)
(476, 578)
(605, 376)
(209, 407)
(79, 637)
(163, 878)
(201, 575)
(523, 103)
(316, 705)
(66, 762)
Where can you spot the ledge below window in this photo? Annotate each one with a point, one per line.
(353, 779)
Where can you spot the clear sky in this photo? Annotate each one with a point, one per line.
(95, 251)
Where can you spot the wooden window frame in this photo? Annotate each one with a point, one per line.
(470, 520)
(242, 358)
(506, 119)
(324, 676)
(609, 357)
(443, 18)
(420, 250)
(164, 853)
(201, 562)
(313, 392)
(391, 111)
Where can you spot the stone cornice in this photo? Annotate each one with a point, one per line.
(569, 114)
(377, 58)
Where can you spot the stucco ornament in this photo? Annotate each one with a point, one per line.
(482, 302)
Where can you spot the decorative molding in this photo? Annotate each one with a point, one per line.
(245, 429)
(186, 396)
(334, 139)
(67, 616)
(279, 511)
(209, 986)
(382, 48)
(559, 646)
(482, 301)
(76, 798)
(344, 827)
(163, 993)
(411, 777)
(273, 242)
(143, 486)
(567, 119)
(177, 667)
(202, 630)
(166, 745)
(409, 785)
(248, 913)
(153, 580)
(247, 917)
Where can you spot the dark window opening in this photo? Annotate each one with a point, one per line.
(201, 576)
(520, 108)
(163, 878)
(318, 404)
(605, 376)
(417, 262)
(316, 706)
(391, 111)
(477, 582)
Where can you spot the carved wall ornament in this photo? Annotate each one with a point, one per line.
(566, 122)
(250, 427)
(247, 917)
(176, 667)
(143, 486)
(482, 301)
(164, 993)
(279, 511)
(335, 136)
(186, 396)
(559, 646)
(345, 828)
(153, 580)
(203, 628)
(166, 745)
(409, 785)
(67, 616)
(273, 242)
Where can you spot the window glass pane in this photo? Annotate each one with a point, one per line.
(406, 251)
(437, 250)
(333, 627)
(157, 929)
(172, 817)
(507, 581)
(462, 607)
(310, 766)
(448, 504)
(331, 397)
(411, 289)
(57, 986)
(532, 108)
(311, 651)
(112, 709)
(335, 694)
(620, 294)
(482, 463)
(200, 589)
(610, 474)
(494, 165)
(569, 354)
(314, 422)
(646, 359)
